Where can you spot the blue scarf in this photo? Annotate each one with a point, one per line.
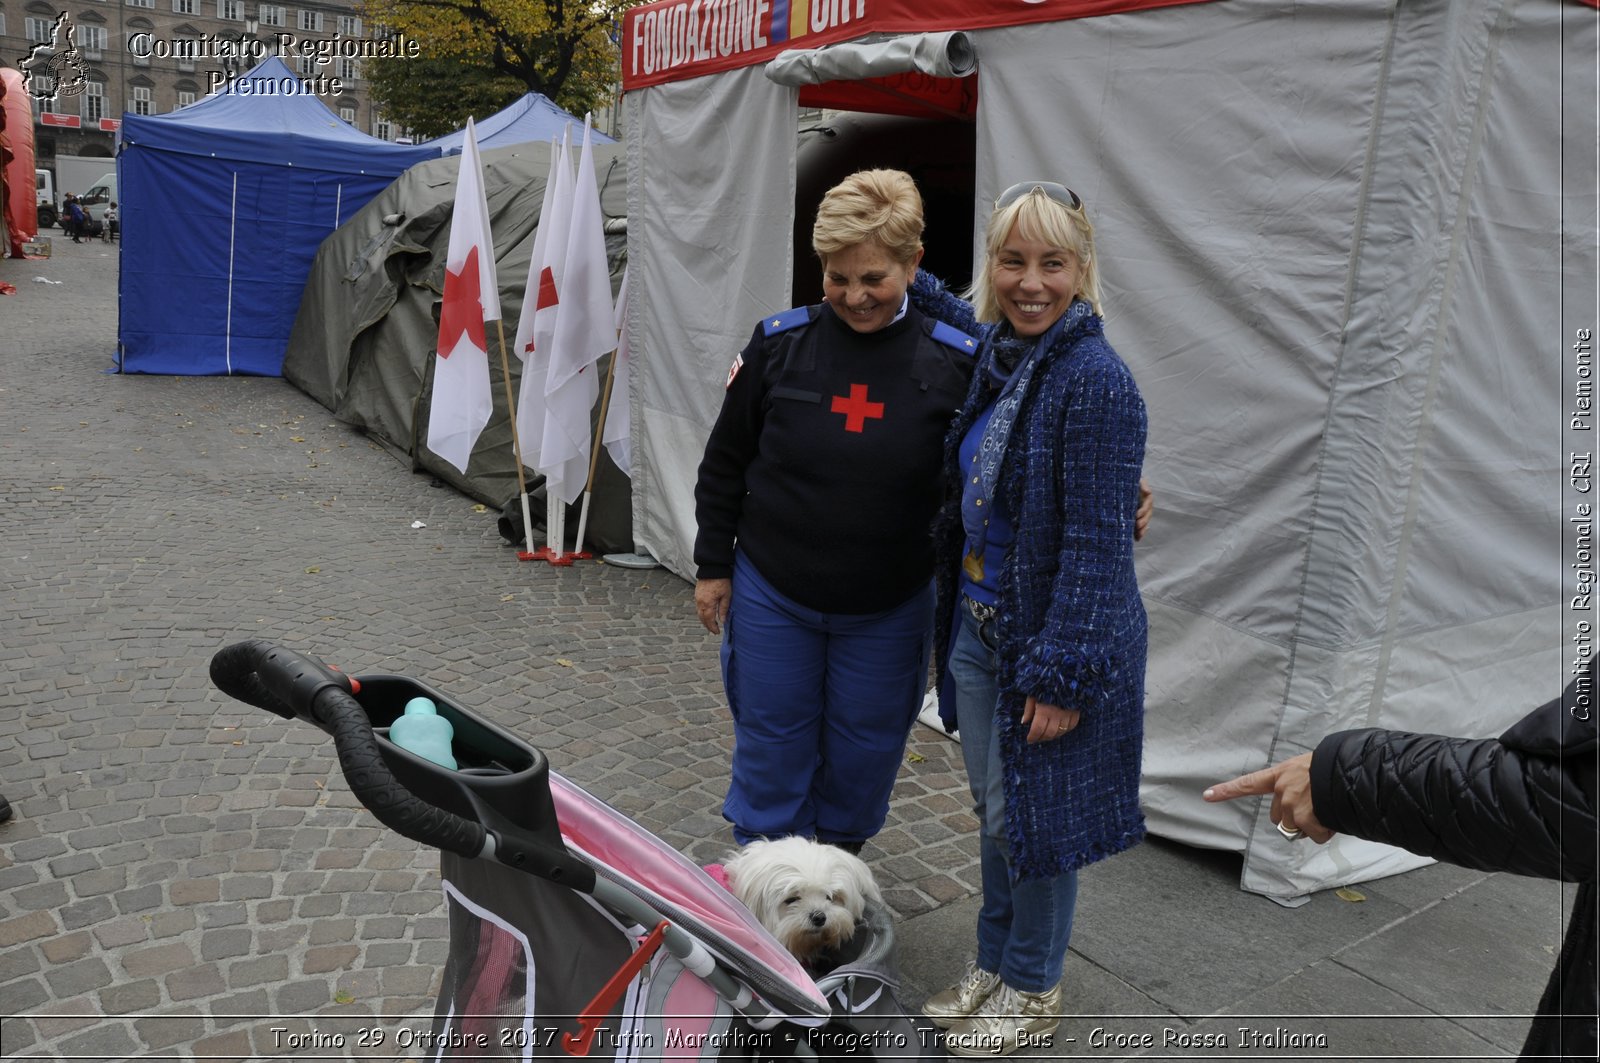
(998, 432)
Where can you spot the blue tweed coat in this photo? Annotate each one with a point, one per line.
(1072, 628)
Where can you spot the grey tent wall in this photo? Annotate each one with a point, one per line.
(711, 182)
(1333, 237)
(363, 340)
(1345, 245)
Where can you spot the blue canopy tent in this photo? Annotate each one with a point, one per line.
(224, 204)
(533, 117)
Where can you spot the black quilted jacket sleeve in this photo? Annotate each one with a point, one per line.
(1523, 802)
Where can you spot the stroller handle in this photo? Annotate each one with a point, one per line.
(283, 682)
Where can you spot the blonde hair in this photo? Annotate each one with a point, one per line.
(1036, 216)
(877, 206)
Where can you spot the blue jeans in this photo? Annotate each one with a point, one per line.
(822, 705)
(1023, 927)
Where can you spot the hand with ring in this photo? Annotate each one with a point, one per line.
(1289, 783)
(1044, 722)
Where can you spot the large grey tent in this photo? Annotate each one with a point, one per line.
(1349, 249)
(364, 337)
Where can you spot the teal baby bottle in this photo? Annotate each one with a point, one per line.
(424, 732)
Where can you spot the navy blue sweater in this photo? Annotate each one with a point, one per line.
(824, 463)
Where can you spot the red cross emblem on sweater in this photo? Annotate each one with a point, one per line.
(857, 409)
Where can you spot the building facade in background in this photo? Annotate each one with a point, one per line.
(155, 56)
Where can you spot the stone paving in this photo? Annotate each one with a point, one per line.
(190, 878)
(183, 867)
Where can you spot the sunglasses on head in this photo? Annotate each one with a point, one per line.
(1060, 193)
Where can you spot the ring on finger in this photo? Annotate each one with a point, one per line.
(1291, 833)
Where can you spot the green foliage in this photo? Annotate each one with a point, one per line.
(432, 97)
(480, 55)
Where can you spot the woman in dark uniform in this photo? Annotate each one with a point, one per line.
(814, 500)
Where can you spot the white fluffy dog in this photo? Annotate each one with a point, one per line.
(810, 896)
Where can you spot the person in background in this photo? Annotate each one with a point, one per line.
(814, 500)
(1042, 629)
(72, 217)
(1523, 803)
(111, 230)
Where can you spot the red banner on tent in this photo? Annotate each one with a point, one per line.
(671, 40)
(912, 94)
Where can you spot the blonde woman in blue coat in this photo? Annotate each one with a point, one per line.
(1042, 630)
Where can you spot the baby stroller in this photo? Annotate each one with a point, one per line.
(574, 932)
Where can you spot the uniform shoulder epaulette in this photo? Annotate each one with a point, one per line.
(954, 337)
(789, 319)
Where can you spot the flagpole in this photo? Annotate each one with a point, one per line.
(516, 443)
(595, 446)
(555, 534)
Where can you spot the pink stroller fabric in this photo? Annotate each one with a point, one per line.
(658, 871)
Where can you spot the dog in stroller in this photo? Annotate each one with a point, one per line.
(573, 930)
(808, 895)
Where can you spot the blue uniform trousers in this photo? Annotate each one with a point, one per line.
(822, 704)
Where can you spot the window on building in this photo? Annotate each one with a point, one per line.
(185, 97)
(140, 3)
(310, 20)
(271, 15)
(2, 23)
(349, 70)
(347, 115)
(186, 7)
(350, 25)
(39, 29)
(232, 10)
(138, 38)
(306, 66)
(184, 50)
(381, 128)
(139, 99)
(94, 101)
(92, 40)
(48, 104)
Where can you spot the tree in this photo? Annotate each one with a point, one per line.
(480, 55)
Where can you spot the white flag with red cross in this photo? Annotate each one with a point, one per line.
(539, 303)
(462, 398)
(585, 331)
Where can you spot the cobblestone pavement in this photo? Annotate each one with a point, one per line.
(186, 875)
(183, 867)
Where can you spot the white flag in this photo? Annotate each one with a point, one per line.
(619, 414)
(585, 330)
(462, 400)
(538, 308)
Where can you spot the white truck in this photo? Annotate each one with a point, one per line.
(93, 179)
(44, 183)
(79, 173)
(99, 196)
